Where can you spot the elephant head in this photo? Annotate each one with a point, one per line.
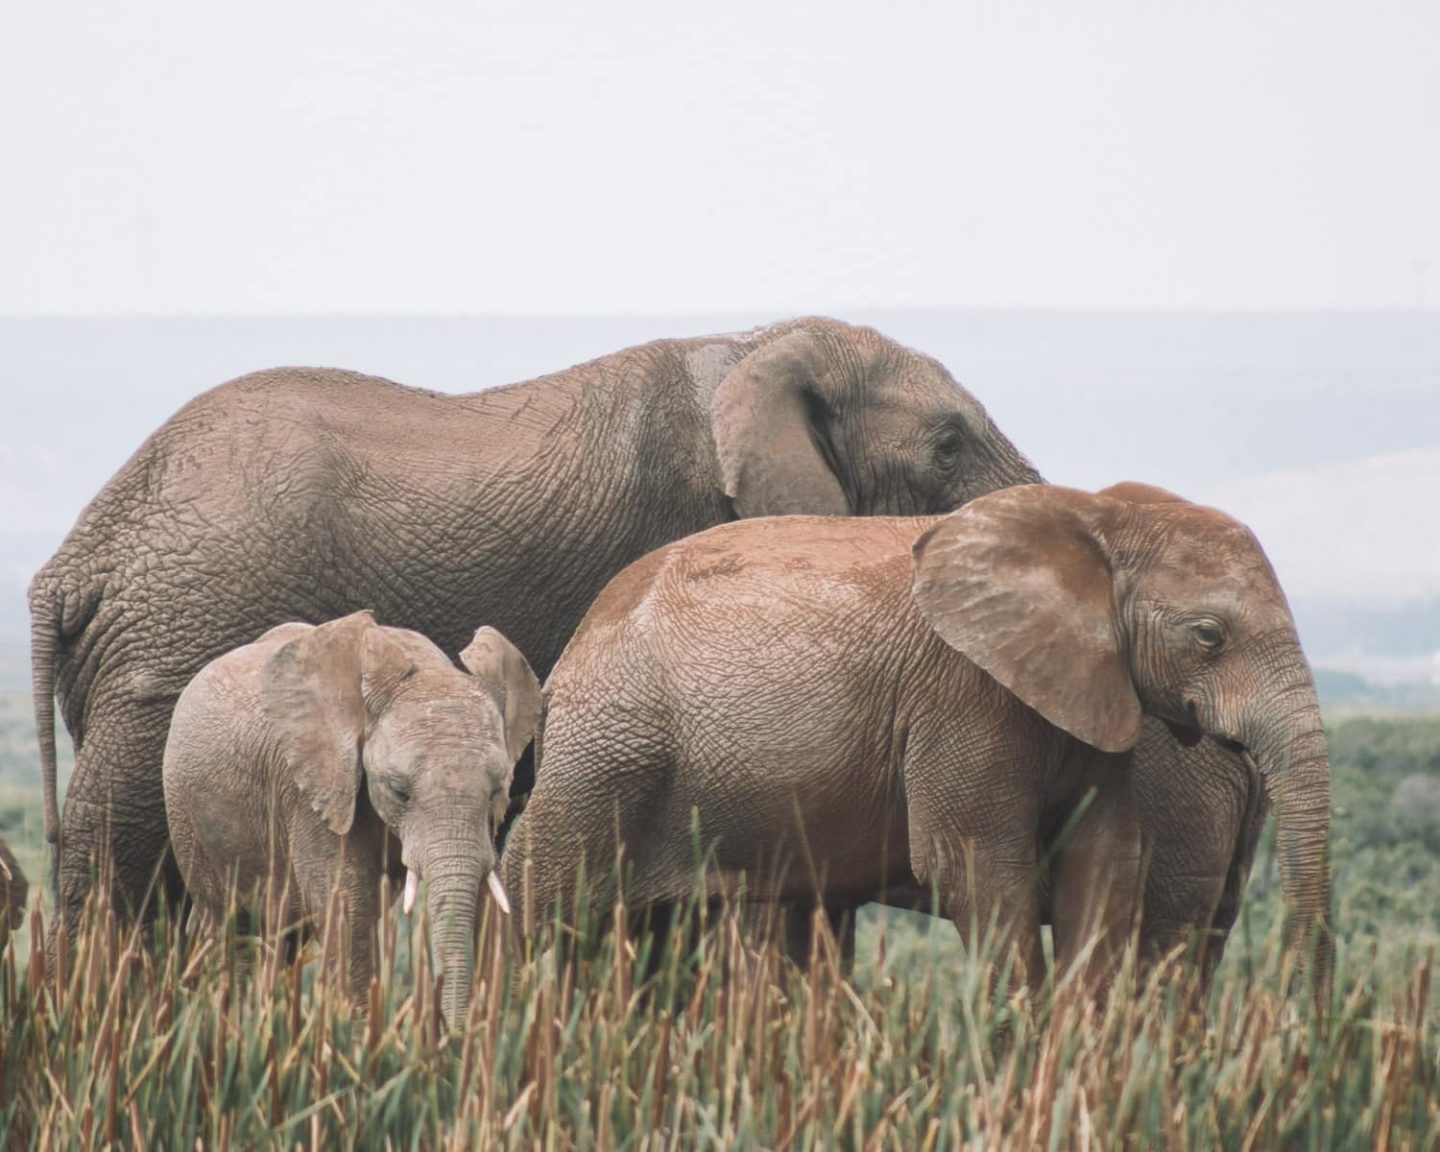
(829, 419)
(1094, 608)
(434, 746)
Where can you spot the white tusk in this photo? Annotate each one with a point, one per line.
(497, 890)
(412, 886)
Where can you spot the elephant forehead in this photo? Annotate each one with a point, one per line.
(469, 715)
(1199, 585)
(1208, 545)
(911, 385)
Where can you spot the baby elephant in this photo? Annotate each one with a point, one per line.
(14, 892)
(267, 753)
(846, 710)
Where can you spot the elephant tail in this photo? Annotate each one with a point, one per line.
(45, 618)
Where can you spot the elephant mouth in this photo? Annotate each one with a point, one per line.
(1190, 731)
(1187, 734)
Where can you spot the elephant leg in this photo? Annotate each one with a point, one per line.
(656, 929)
(364, 918)
(798, 932)
(548, 874)
(114, 820)
(1236, 878)
(200, 924)
(561, 857)
(346, 916)
(560, 888)
(1096, 883)
(1202, 810)
(995, 907)
(845, 938)
(988, 889)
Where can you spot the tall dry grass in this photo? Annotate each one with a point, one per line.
(147, 1040)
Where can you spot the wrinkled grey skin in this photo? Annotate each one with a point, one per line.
(305, 494)
(858, 709)
(14, 894)
(318, 760)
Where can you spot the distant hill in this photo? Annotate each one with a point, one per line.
(1403, 632)
(1349, 692)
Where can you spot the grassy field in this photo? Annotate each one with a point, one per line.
(153, 1044)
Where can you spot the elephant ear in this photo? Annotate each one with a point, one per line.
(769, 414)
(511, 682)
(314, 691)
(1020, 582)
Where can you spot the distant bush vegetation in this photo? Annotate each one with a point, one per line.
(1349, 691)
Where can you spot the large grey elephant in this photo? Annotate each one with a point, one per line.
(322, 758)
(861, 709)
(306, 494)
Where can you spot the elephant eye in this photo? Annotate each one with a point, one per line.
(947, 450)
(1208, 634)
(398, 789)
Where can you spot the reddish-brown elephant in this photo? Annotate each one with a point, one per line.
(853, 710)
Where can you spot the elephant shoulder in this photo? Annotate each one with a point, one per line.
(304, 384)
(228, 687)
(629, 589)
(627, 615)
(273, 638)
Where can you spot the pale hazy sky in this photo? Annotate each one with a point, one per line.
(654, 157)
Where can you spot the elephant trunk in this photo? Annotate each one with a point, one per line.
(1288, 747)
(452, 937)
(1012, 466)
(44, 626)
(453, 869)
